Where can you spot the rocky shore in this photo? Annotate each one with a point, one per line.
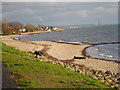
(108, 77)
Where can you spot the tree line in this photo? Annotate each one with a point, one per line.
(17, 27)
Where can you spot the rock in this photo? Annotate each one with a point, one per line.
(74, 66)
(109, 81)
(38, 57)
(82, 66)
(117, 76)
(102, 81)
(94, 72)
(99, 72)
(67, 65)
(95, 77)
(108, 73)
(105, 78)
(114, 79)
(78, 71)
(116, 85)
(61, 63)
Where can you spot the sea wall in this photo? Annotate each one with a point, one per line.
(108, 77)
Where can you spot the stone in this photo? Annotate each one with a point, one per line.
(109, 80)
(38, 57)
(108, 73)
(99, 72)
(75, 66)
(94, 72)
(95, 77)
(105, 78)
(78, 71)
(102, 81)
(61, 63)
(116, 85)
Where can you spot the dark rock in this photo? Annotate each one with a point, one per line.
(94, 72)
(79, 57)
(108, 73)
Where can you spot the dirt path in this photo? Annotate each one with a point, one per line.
(7, 81)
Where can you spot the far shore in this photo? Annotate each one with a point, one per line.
(63, 51)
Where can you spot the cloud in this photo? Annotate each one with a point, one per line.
(53, 13)
(83, 13)
(100, 8)
(107, 10)
(29, 11)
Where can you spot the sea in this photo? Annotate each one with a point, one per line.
(105, 39)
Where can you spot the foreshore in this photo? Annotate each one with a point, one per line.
(62, 51)
(70, 56)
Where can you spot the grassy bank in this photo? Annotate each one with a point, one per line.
(30, 72)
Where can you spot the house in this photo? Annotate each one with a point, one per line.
(22, 30)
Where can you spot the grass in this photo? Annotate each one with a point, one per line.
(32, 73)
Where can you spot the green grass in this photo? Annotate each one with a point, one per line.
(33, 73)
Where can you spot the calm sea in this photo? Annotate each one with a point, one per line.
(105, 36)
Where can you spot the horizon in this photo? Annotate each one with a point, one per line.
(64, 25)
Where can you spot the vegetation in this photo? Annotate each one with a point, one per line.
(7, 28)
(30, 72)
(30, 28)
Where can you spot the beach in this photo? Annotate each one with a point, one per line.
(62, 51)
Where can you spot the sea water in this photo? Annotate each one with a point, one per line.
(104, 36)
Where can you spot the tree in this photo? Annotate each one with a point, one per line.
(0, 27)
(16, 26)
(40, 27)
(6, 29)
(14, 23)
(30, 27)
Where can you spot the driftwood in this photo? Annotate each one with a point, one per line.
(79, 57)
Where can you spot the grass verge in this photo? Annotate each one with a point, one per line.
(32, 73)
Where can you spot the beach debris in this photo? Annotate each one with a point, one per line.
(37, 54)
(79, 57)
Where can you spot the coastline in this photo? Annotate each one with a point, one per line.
(63, 54)
(63, 51)
(88, 56)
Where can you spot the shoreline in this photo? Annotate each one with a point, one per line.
(62, 54)
(84, 53)
(63, 51)
(88, 56)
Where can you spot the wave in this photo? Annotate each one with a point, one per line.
(63, 41)
(104, 51)
(109, 56)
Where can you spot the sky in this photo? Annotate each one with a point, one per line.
(60, 13)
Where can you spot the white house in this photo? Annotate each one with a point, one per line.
(22, 30)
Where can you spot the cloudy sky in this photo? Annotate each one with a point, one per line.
(60, 13)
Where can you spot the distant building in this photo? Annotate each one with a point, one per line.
(22, 30)
(49, 28)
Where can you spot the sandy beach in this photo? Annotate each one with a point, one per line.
(63, 51)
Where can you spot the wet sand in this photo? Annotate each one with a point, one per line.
(63, 51)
